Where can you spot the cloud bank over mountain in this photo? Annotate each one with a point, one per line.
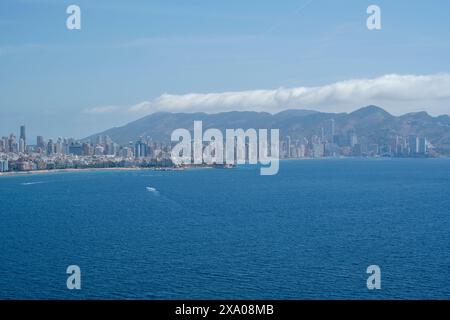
(397, 93)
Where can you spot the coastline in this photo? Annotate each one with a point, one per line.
(37, 172)
(46, 171)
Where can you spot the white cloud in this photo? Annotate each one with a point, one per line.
(398, 94)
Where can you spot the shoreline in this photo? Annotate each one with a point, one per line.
(37, 172)
(46, 171)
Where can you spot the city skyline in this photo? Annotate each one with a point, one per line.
(328, 140)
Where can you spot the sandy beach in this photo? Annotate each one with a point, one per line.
(36, 172)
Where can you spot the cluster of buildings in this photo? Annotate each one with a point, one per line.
(66, 153)
(328, 143)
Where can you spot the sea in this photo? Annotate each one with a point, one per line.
(309, 232)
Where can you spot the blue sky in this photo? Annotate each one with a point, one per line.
(132, 52)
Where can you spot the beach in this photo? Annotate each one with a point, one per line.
(35, 172)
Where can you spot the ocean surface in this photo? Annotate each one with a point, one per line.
(309, 232)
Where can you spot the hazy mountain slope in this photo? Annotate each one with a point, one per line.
(371, 122)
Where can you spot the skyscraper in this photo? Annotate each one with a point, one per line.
(12, 144)
(423, 145)
(328, 131)
(352, 138)
(140, 149)
(288, 146)
(50, 147)
(21, 145)
(4, 166)
(40, 142)
(413, 145)
(23, 134)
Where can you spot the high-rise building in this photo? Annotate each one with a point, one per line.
(288, 146)
(59, 146)
(23, 134)
(99, 139)
(65, 146)
(413, 144)
(126, 152)
(318, 150)
(328, 131)
(12, 144)
(398, 146)
(107, 140)
(4, 166)
(423, 145)
(140, 150)
(87, 149)
(21, 145)
(50, 147)
(110, 148)
(352, 138)
(76, 149)
(40, 143)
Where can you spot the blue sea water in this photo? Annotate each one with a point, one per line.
(309, 232)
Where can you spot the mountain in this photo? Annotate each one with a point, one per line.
(160, 125)
(371, 123)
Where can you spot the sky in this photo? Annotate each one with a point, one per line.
(132, 58)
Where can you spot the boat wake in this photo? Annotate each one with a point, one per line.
(152, 190)
(31, 183)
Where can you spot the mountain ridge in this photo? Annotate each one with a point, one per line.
(371, 122)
